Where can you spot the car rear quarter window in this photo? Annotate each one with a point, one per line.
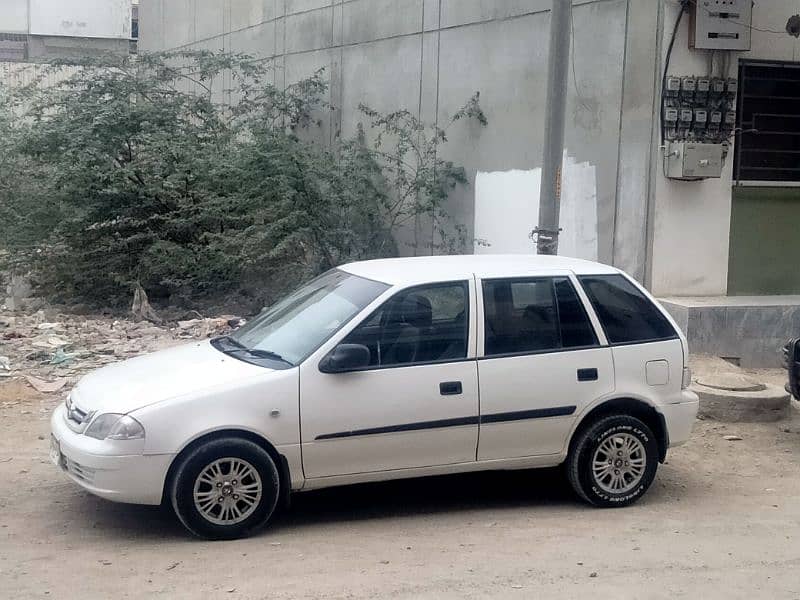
(627, 315)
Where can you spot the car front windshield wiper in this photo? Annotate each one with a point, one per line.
(267, 354)
(226, 339)
(235, 346)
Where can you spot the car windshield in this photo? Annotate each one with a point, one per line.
(293, 328)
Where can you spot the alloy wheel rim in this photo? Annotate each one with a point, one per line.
(227, 491)
(619, 463)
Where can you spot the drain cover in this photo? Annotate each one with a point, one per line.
(732, 382)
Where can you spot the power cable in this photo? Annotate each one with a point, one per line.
(683, 7)
(574, 77)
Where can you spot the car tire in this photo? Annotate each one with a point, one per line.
(613, 461)
(225, 489)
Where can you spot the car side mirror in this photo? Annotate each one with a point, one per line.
(345, 357)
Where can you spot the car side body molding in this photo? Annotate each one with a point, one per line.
(538, 413)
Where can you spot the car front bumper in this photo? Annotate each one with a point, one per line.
(134, 478)
(679, 417)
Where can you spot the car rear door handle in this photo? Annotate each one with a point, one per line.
(450, 388)
(587, 374)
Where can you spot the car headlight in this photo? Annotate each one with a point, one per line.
(112, 426)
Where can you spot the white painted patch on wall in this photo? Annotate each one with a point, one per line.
(507, 210)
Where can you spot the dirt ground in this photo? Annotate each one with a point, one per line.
(722, 520)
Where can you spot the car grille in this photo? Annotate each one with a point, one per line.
(78, 470)
(75, 416)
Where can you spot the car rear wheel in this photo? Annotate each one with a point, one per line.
(225, 489)
(613, 461)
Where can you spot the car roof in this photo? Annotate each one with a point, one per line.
(422, 269)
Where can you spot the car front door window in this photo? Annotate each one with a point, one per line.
(421, 325)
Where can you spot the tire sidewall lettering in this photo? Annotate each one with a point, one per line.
(595, 440)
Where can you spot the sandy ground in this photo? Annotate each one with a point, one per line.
(722, 520)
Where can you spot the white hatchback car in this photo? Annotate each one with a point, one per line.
(388, 369)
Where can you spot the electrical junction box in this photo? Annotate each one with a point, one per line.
(721, 24)
(693, 160)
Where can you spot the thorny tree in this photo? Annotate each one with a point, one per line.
(409, 153)
(192, 174)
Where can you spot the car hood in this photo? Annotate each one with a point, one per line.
(137, 382)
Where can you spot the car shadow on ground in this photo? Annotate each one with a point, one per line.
(484, 491)
(488, 490)
(400, 498)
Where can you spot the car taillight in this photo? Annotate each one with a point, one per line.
(687, 378)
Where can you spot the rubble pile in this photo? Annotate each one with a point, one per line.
(52, 350)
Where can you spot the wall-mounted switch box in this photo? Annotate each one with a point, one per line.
(720, 24)
(693, 160)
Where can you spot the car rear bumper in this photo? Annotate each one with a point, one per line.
(134, 478)
(679, 417)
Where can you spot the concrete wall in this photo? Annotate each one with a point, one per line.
(14, 16)
(84, 18)
(637, 133)
(18, 74)
(430, 56)
(749, 329)
(690, 232)
(55, 29)
(44, 48)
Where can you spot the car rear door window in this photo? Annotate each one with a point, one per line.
(626, 314)
(533, 315)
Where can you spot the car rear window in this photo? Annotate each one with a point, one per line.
(626, 314)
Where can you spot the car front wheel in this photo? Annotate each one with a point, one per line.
(225, 489)
(613, 461)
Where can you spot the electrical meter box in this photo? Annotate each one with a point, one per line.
(721, 24)
(692, 160)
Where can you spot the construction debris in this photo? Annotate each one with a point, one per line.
(46, 387)
(51, 351)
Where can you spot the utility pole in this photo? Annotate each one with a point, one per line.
(555, 109)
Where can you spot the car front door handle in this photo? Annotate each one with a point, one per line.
(450, 388)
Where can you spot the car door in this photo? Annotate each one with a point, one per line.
(540, 362)
(414, 405)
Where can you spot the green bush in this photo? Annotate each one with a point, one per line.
(133, 170)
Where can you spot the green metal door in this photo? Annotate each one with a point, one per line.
(764, 241)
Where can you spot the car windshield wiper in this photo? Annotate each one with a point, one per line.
(267, 354)
(226, 339)
(237, 346)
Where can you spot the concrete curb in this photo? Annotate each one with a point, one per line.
(743, 404)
